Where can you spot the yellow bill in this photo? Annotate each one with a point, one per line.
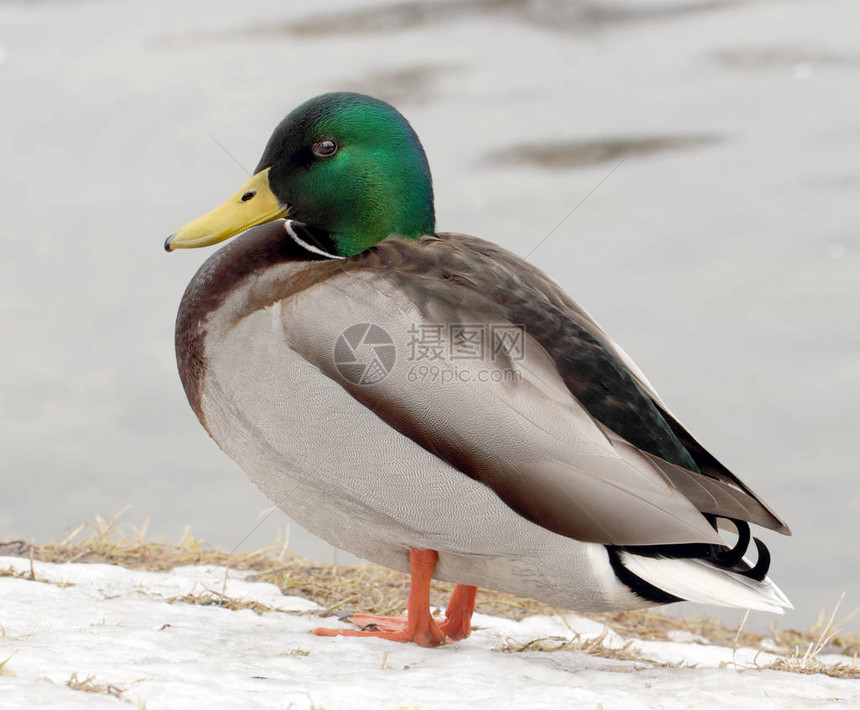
(253, 204)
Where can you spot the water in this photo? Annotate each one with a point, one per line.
(723, 255)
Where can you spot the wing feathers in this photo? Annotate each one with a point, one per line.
(547, 444)
(710, 495)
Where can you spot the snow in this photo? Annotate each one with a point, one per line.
(119, 626)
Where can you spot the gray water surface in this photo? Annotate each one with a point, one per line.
(724, 255)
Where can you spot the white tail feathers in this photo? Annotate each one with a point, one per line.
(699, 581)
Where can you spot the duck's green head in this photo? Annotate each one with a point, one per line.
(344, 163)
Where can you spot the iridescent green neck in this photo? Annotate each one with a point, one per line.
(395, 199)
(376, 185)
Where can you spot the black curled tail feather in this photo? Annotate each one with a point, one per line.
(724, 557)
(762, 565)
(734, 556)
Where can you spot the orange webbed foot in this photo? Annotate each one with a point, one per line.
(425, 632)
(417, 625)
(371, 622)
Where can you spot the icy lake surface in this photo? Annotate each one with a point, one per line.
(724, 255)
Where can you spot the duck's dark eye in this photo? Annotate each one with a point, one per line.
(248, 195)
(325, 148)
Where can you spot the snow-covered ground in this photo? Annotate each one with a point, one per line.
(124, 633)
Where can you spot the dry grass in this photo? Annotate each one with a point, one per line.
(221, 600)
(89, 685)
(377, 590)
(110, 544)
(822, 635)
(808, 661)
(596, 646)
(3, 665)
(812, 665)
(30, 577)
(653, 626)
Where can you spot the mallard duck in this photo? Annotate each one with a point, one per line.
(433, 403)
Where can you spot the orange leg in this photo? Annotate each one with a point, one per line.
(458, 615)
(418, 626)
